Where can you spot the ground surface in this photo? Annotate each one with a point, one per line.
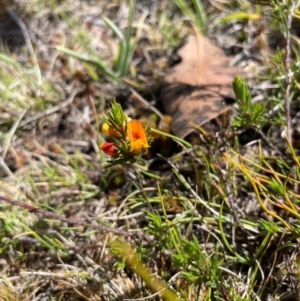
(212, 218)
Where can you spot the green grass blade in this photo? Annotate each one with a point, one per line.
(98, 63)
(6, 59)
(121, 59)
(201, 15)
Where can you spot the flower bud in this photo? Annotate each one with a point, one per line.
(117, 113)
(108, 148)
(107, 130)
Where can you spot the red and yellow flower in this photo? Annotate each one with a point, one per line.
(129, 137)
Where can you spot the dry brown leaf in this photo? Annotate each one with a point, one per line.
(197, 87)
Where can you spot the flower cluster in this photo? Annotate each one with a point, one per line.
(128, 136)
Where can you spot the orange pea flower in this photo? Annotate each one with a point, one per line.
(137, 136)
(108, 148)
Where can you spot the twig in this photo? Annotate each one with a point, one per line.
(6, 168)
(288, 73)
(146, 103)
(10, 134)
(81, 222)
(288, 81)
(269, 143)
(51, 110)
(139, 184)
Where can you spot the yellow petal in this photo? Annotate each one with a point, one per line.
(105, 128)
